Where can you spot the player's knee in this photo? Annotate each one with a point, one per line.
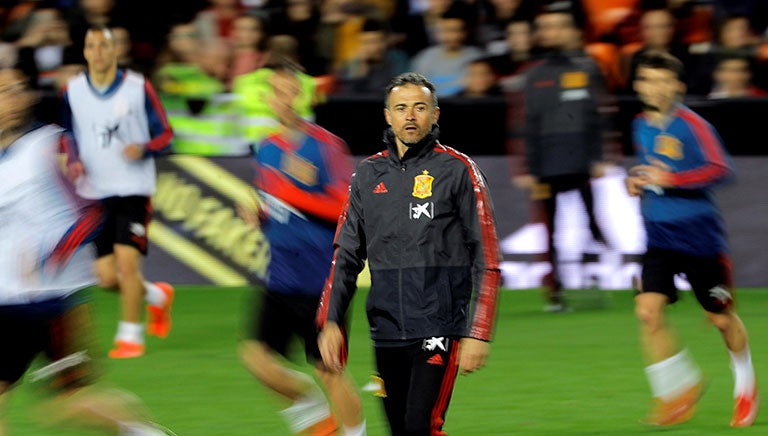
(722, 321)
(107, 281)
(649, 316)
(254, 354)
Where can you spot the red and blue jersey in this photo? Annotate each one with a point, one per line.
(684, 217)
(303, 178)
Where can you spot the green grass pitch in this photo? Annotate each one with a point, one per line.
(577, 373)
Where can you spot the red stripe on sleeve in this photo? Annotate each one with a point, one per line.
(162, 140)
(487, 291)
(716, 166)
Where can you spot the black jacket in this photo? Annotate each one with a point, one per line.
(426, 226)
(564, 127)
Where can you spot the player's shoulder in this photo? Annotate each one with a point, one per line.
(79, 80)
(134, 77)
(689, 117)
(452, 155)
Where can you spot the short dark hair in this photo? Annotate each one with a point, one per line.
(663, 61)
(410, 78)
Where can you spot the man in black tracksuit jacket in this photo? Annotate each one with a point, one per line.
(421, 214)
(564, 128)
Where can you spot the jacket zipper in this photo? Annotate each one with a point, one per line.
(400, 275)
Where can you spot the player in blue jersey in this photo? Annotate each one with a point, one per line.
(302, 173)
(682, 159)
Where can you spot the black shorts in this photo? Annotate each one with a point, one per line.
(125, 222)
(418, 381)
(711, 278)
(281, 318)
(62, 330)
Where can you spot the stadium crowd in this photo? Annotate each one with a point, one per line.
(478, 47)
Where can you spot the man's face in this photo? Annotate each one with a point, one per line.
(247, 32)
(411, 113)
(100, 51)
(16, 100)
(658, 88)
(183, 40)
(450, 32)
(733, 74)
(373, 45)
(519, 37)
(553, 30)
(658, 28)
(479, 78)
(286, 90)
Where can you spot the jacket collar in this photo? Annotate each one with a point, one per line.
(419, 149)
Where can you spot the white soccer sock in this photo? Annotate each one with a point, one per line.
(130, 332)
(743, 372)
(154, 296)
(139, 429)
(673, 376)
(307, 410)
(357, 430)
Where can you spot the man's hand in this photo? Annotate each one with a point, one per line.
(657, 173)
(473, 354)
(133, 151)
(75, 170)
(330, 341)
(248, 214)
(634, 185)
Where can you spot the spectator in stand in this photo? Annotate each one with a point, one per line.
(44, 47)
(249, 39)
(301, 20)
(733, 78)
(445, 64)
(179, 75)
(91, 13)
(124, 48)
(217, 21)
(495, 17)
(517, 56)
(375, 64)
(421, 28)
(340, 24)
(734, 36)
(657, 27)
(480, 81)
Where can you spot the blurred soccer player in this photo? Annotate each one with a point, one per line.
(302, 173)
(118, 125)
(45, 262)
(682, 160)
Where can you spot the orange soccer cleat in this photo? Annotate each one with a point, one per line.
(326, 427)
(126, 350)
(159, 322)
(678, 410)
(745, 409)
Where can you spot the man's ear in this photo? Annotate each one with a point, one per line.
(387, 116)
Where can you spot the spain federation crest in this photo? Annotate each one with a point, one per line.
(422, 185)
(669, 146)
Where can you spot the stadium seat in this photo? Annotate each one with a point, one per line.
(607, 57)
(606, 15)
